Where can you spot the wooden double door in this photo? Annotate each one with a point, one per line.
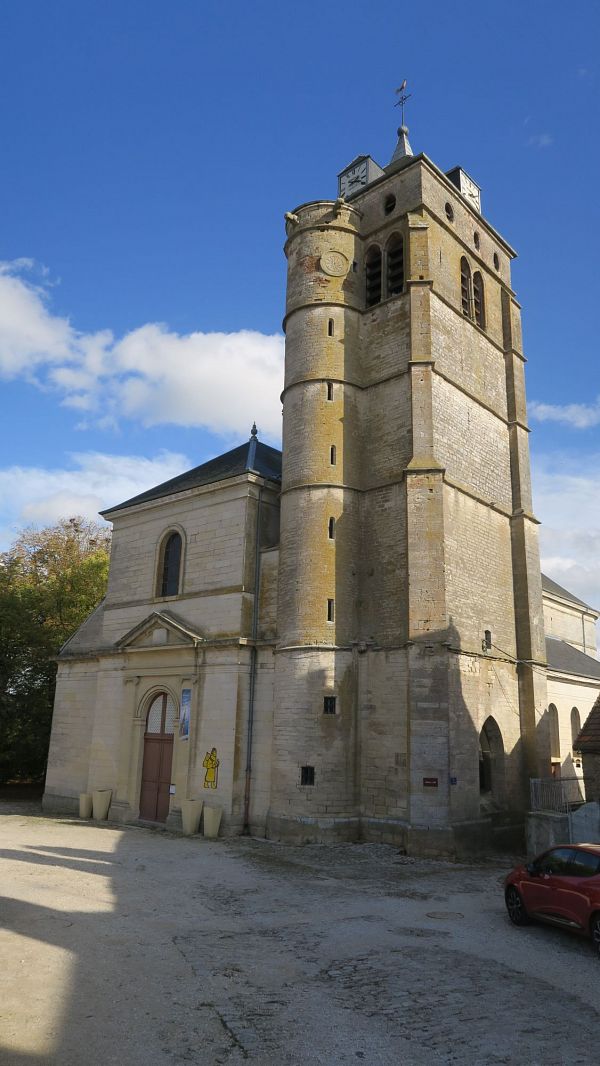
(158, 757)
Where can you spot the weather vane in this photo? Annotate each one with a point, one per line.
(403, 96)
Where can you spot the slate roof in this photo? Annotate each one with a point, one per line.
(588, 740)
(550, 586)
(254, 457)
(564, 657)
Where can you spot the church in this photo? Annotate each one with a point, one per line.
(350, 639)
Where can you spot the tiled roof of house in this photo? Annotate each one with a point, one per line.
(564, 657)
(254, 457)
(588, 740)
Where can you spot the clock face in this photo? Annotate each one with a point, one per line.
(353, 179)
(471, 192)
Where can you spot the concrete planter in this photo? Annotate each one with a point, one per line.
(212, 821)
(101, 798)
(191, 809)
(85, 804)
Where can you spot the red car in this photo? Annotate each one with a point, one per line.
(562, 886)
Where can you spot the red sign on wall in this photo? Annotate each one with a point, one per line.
(430, 782)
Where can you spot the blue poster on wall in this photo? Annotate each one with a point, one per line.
(184, 717)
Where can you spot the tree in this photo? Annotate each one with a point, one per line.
(50, 581)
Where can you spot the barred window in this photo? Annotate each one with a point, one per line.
(161, 714)
(395, 265)
(478, 299)
(373, 276)
(328, 704)
(307, 775)
(465, 287)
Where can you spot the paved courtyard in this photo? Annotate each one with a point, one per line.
(137, 947)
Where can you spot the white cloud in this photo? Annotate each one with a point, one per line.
(541, 140)
(221, 381)
(93, 482)
(567, 501)
(577, 415)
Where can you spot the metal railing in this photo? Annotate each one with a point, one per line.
(559, 794)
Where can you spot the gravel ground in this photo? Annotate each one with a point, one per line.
(137, 947)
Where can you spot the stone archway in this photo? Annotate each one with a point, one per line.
(491, 766)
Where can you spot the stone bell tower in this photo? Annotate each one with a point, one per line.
(410, 668)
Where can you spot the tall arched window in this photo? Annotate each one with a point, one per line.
(373, 276)
(575, 725)
(465, 288)
(554, 740)
(170, 565)
(395, 265)
(478, 299)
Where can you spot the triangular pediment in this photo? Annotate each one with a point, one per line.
(159, 630)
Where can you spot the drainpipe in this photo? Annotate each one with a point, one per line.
(252, 684)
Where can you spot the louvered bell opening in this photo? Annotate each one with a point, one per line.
(373, 277)
(465, 287)
(395, 268)
(478, 302)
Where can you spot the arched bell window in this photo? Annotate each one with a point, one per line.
(465, 288)
(170, 565)
(373, 276)
(478, 299)
(395, 265)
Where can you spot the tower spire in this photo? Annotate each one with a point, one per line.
(403, 147)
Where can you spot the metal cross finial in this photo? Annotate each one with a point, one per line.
(403, 96)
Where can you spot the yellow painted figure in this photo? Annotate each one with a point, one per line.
(211, 765)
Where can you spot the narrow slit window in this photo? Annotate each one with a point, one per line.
(331, 610)
(330, 327)
(332, 455)
(465, 287)
(373, 276)
(328, 704)
(307, 775)
(330, 390)
(331, 529)
(478, 299)
(395, 265)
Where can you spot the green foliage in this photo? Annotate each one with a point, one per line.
(50, 581)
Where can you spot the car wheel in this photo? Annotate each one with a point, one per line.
(516, 909)
(595, 932)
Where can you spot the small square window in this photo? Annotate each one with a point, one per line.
(307, 775)
(329, 704)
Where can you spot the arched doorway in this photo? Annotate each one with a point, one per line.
(491, 765)
(158, 756)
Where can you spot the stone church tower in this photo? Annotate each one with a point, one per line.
(410, 680)
(350, 633)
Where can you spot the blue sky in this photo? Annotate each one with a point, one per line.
(149, 152)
